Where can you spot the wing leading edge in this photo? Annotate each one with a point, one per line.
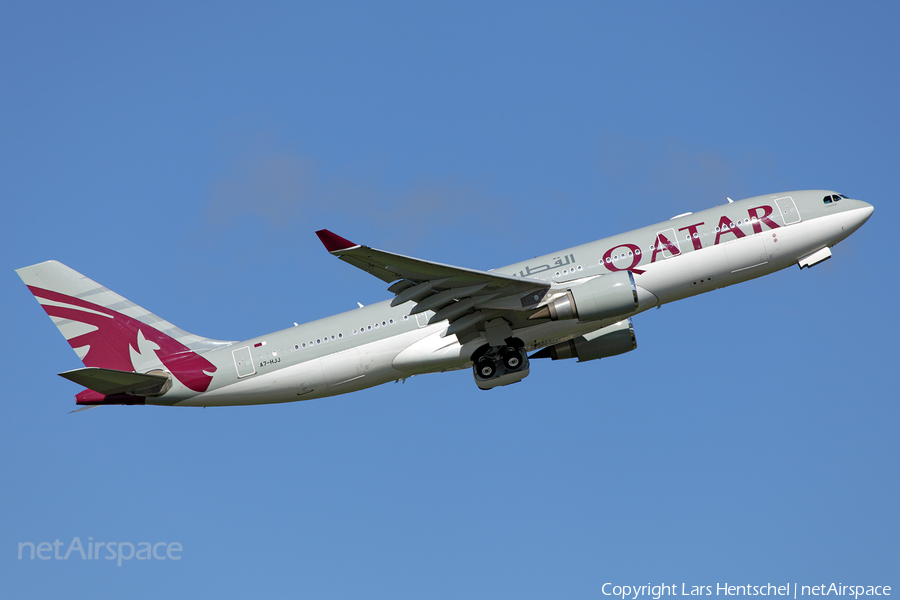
(464, 297)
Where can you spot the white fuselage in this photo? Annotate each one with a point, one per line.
(682, 257)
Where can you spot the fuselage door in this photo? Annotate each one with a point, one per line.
(667, 241)
(243, 362)
(788, 210)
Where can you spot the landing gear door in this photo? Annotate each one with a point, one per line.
(788, 210)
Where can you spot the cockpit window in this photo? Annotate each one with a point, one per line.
(843, 196)
(827, 199)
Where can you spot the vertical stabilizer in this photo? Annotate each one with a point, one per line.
(107, 331)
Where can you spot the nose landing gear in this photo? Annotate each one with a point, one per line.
(500, 365)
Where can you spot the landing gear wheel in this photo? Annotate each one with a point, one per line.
(485, 368)
(494, 366)
(512, 360)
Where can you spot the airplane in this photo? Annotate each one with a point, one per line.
(577, 303)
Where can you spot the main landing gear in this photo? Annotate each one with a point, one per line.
(494, 366)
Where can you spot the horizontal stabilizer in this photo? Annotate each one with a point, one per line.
(110, 381)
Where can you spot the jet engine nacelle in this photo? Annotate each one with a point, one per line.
(602, 297)
(609, 341)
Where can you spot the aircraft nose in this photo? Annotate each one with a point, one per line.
(866, 210)
(858, 215)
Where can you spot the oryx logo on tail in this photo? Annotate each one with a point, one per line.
(109, 332)
(112, 340)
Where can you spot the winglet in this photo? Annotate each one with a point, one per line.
(333, 242)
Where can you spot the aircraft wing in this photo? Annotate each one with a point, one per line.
(465, 297)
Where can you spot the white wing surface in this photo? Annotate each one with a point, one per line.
(464, 297)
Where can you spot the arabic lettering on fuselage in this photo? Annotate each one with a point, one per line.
(558, 263)
(758, 216)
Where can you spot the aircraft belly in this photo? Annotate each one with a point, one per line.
(376, 362)
(431, 353)
(296, 382)
(746, 253)
(342, 367)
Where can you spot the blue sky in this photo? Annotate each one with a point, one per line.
(183, 155)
